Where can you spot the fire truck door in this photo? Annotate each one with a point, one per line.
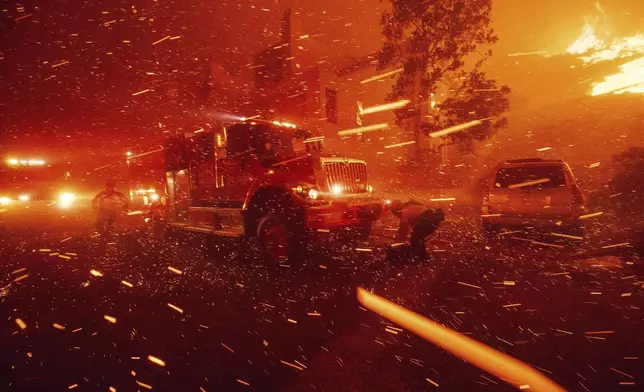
(237, 174)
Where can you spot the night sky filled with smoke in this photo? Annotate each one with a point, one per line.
(70, 68)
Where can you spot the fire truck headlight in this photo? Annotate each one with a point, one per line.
(24, 197)
(4, 200)
(313, 193)
(336, 189)
(66, 199)
(154, 197)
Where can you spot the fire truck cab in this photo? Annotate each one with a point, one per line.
(265, 180)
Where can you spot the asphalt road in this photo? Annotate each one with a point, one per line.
(77, 317)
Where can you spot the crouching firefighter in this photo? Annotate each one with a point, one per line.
(421, 220)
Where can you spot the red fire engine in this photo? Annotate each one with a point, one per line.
(263, 180)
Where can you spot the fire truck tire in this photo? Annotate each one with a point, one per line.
(277, 242)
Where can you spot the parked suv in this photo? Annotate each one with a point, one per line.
(532, 192)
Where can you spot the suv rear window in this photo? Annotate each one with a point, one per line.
(532, 176)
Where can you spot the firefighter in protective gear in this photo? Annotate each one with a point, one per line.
(109, 203)
(422, 221)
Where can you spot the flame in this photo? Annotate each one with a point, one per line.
(586, 41)
(592, 50)
(629, 80)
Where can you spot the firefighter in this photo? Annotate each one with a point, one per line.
(422, 221)
(267, 156)
(108, 203)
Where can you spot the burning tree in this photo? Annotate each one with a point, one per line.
(432, 43)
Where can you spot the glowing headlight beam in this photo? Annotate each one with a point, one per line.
(336, 189)
(457, 128)
(368, 128)
(503, 366)
(66, 199)
(385, 106)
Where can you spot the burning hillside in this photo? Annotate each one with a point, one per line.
(629, 51)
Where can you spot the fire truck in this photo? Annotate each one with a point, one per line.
(263, 180)
(25, 182)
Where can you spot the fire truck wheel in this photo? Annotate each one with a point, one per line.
(278, 244)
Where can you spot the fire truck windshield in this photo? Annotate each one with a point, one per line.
(268, 141)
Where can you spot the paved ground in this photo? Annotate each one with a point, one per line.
(222, 321)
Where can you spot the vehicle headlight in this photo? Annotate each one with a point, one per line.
(154, 197)
(66, 199)
(4, 200)
(370, 188)
(24, 197)
(336, 189)
(306, 190)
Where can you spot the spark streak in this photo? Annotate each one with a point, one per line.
(444, 199)
(368, 128)
(529, 183)
(457, 128)
(176, 271)
(381, 76)
(401, 144)
(588, 216)
(141, 92)
(484, 357)
(161, 40)
(60, 64)
(21, 323)
(291, 365)
(384, 107)
(94, 272)
(155, 360)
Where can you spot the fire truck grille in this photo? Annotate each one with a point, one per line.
(351, 176)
